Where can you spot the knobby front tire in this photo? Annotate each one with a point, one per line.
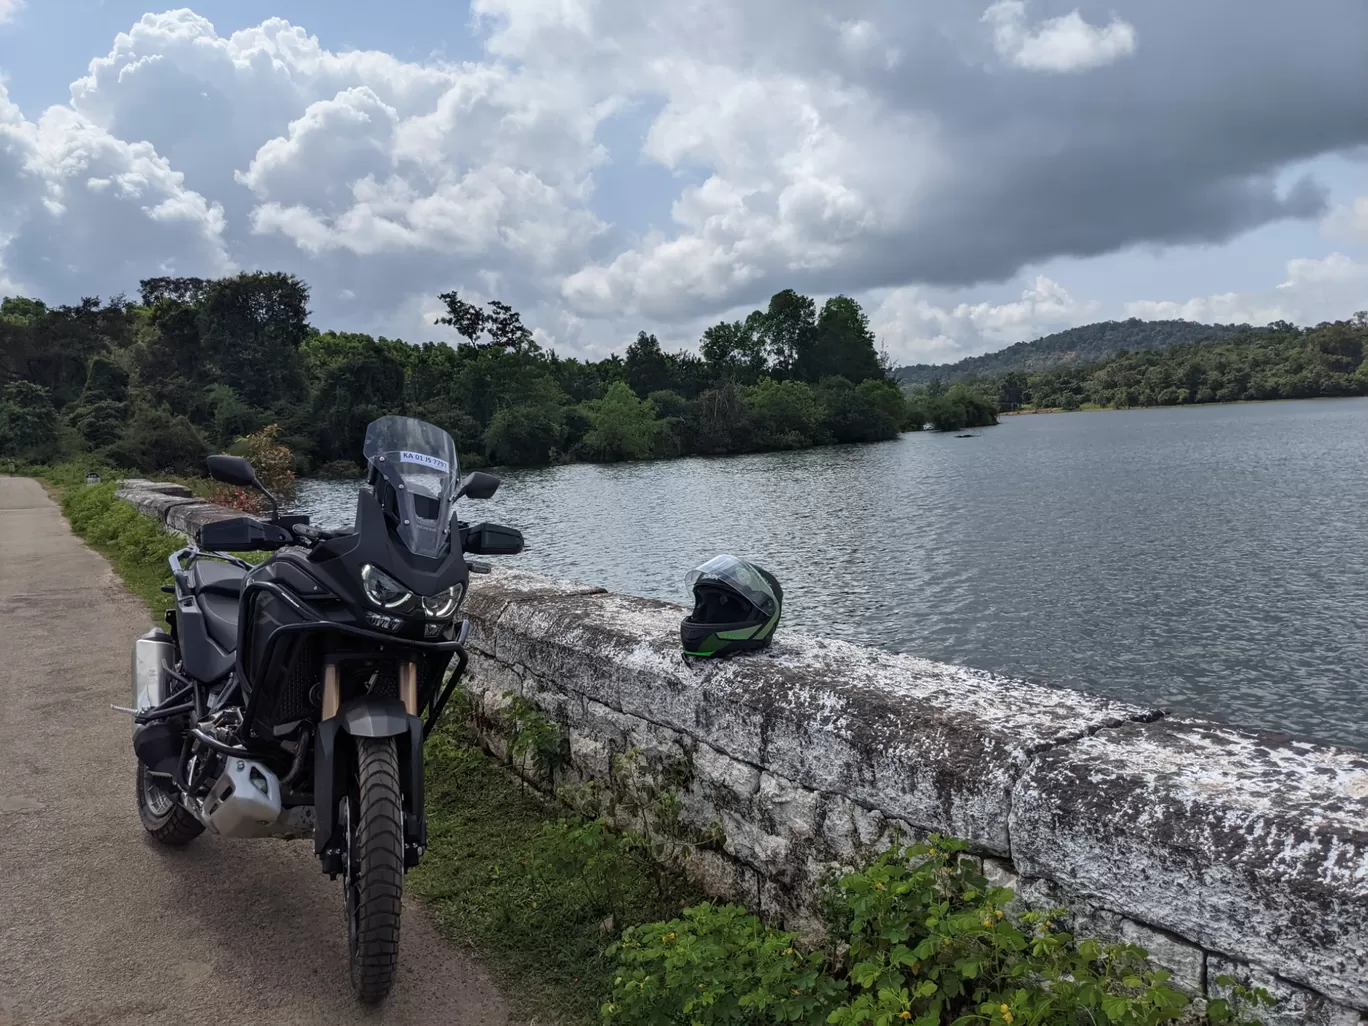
(375, 881)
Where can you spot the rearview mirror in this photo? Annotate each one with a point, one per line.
(478, 485)
(232, 470)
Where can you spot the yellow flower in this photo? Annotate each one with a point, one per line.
(988, 922)
(1007, 1017)
(1005, 1010)
(878, 886)
(788, 951)
(904, 1014)
(999, 913)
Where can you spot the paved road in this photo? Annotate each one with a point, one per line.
(98, 925)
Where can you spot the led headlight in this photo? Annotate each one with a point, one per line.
(384, 590)
(444, 603)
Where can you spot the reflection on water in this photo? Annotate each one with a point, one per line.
(1212, 560)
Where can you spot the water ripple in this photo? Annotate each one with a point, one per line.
(1213, 560)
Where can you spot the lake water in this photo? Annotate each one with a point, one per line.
(1210, 560)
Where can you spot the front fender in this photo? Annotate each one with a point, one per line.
(374, 717)
(333, 764)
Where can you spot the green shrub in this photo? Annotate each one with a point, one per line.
(527, 433)
(622, 427)
(717, 964)
(918, 937)
(960, 408)
(786, 414)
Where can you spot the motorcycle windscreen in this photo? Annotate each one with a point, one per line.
(419, 460)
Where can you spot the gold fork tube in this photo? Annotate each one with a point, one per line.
(408, 687)
(332, 693)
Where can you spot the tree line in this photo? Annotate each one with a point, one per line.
(1280, 361)
(193, 365)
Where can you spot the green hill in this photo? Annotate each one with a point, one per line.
(1090, 343)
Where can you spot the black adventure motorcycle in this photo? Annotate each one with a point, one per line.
(293, 698)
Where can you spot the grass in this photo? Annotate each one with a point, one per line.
(487, 876)
(487, 879)
(136, 545)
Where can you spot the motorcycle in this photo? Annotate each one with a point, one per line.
(293, 698)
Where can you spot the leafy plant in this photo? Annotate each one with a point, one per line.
(1238, 1008)
(535, 739)
(274, 466)
(918, 937)
(931, 942)
(715, 965)
(644, 800)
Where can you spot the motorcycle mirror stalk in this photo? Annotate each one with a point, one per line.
(238, 472)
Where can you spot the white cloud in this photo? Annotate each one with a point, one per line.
(784, 148)
(917, 330)
(10, 8)
(1062, 44)
(1348, 223)
(93, 212)
(1328, 288)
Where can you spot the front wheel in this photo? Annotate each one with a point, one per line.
(373, 825)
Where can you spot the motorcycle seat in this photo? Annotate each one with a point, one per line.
(216, 577)
(217, 587)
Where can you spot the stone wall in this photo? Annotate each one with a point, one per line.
(1222, 851)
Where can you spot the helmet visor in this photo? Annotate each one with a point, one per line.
(739, 575)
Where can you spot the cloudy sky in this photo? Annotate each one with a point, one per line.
(975, 174)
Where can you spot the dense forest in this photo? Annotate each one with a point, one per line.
(1280, 361)
(1088, 344)
(195, 365)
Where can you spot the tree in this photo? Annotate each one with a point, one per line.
(842, 345)
(719, 421)
(28, 422)
(872, 411)
(365, 382)
(788, 328)
(158, 440)
(623, 427)
(528, 433)
(736, 349)
(785, 414)
(502, 323)
(647, 367)
(961, 408)
(101, 412)
(254, 324)
(1012, 392)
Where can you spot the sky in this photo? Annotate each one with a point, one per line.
(974, 173)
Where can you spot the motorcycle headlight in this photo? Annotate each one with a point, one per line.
(382, 589)
(444, 603)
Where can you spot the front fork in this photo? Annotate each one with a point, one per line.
(335, 762)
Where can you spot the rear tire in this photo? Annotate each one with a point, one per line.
(374, 822)
(162, 815)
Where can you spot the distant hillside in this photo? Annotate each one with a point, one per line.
(1087, 344)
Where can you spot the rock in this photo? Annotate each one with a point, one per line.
(188, 517)
(1249, 844)
(1186, 961)
(166, 488)
(1295, 1005)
